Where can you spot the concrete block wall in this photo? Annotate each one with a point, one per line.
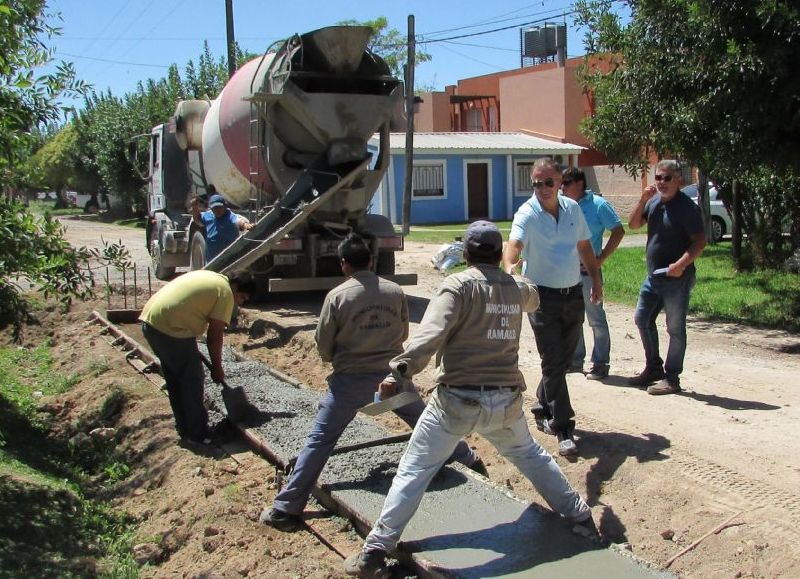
(622, 190)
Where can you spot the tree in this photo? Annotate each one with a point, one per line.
(712, 82)
(31, 248)
(389, 44)
(37, 252)
(27, 100)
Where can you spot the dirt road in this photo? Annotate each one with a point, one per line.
(673, 465)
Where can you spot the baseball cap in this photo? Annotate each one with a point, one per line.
(482, 238)
(216, 201)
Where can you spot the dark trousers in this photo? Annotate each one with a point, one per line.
(183, 372)
(556, 325)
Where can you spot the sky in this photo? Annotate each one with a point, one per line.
(116, 43)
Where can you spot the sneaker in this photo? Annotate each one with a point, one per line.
(567, 446)
(281, 520)
(479, 467)
(647, 376)
(543, 424)
(598, 372)
(665, 386)
(370, 564)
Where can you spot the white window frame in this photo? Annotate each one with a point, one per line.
(431, 163)
(517, 191)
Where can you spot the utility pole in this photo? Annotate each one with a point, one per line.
(230, 38)
(409, 81)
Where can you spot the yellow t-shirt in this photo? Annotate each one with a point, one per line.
(184, 307)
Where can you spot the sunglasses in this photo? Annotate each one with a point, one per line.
(664, 178)
(546, 183)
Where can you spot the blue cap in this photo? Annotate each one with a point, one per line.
(216, 201)
(482, 238)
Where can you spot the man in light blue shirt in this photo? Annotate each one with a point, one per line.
(550, 236)
(600, 215)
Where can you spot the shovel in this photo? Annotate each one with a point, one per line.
(396, 401)
(235, 400)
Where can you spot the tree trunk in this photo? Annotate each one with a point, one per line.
(736, 218)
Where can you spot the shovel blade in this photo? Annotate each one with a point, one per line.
(236, 403)
(396, 401)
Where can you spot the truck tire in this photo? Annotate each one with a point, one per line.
(197, 252)
(385, 263)
(160, 270)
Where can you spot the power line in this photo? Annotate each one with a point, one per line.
(482, 46)
(538, 21)
(495, 20)
(113, 61)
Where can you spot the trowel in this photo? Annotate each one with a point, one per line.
(396, 401)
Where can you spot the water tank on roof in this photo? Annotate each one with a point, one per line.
(544, 40)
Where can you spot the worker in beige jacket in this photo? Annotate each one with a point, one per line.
(472, 325)
(362, 325)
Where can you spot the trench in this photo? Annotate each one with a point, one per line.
(465, 527)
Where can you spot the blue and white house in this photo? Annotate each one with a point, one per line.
(461, 177)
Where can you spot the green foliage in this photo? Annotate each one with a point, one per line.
(390, 44)
(27, 99)
(23, 372)
(712, 83)
(35, 248)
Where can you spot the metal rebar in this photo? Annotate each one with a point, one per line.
(124, 289)
(108, 289)
(135, 289)
(149, 284)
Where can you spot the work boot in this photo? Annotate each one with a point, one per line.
(370, 565)
(665, 386)
(281, 520)
(479, 467)
(647, 376)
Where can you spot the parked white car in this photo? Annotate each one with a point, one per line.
(720, 218)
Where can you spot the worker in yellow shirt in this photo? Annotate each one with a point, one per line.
(195, 303)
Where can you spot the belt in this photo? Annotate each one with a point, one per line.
(479, 387)
(564, 291)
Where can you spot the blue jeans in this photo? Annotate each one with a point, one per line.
(346, 394)
(671, 295)
(183, 372)
(451, 414)
(596, 316)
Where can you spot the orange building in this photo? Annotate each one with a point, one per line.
(544, 101)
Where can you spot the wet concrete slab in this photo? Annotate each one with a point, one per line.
(465, 526)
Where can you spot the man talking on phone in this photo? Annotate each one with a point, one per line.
(675, 239)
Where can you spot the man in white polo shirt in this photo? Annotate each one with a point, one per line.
(550, 236)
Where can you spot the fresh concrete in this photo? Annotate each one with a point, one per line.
(464, 527)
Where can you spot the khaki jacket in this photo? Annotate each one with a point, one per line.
(473, 326)
(363, 324)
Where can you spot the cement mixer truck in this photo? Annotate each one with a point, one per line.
(286, 144)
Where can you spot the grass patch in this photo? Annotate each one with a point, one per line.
(50, 528)
(24, 372)
(448, 232)
(40, 207)
(135, 222)
(766, 298)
